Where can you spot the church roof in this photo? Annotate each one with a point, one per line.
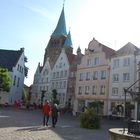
(9, 58)
(68, 41)
(61, 26)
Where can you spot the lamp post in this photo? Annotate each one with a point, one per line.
(135, 96)
(42, 97)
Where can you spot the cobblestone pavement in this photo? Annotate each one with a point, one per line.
(21, 124)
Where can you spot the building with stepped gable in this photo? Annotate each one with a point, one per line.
(93, 77)
(59, 67)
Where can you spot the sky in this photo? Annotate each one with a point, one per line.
(30, 23)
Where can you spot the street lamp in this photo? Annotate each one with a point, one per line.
(136, 97)
(42, 97)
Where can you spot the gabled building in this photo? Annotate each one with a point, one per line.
(60, 74)
(41, 83)
(92, 81)
(62, 63)
(14, 61)
(123, 73)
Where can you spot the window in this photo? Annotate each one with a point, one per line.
(88, 76)
(47, 71)
(94, 90)
(18, 68)
(115, 91)
(47, 80)
(18, 82)
(61, 75)
(95, 75)
(65, 73)
(64, 84)
(42, 80)
(86, 89)
(22, 70)
(60, 84)
(115, 77)
(14, 80)
(102, 89)
(126, 77)
(126, 61)
(116, 63)
(96, 61)
(88, 62)
(40, 88)
(57, 75)
(54, 75)
(52, 85)
(56, 85)
(60, 65)
(80, 90)
(47, 88)
(63, 97)
(81, 78)
(103, 74)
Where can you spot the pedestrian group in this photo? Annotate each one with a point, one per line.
(48, 111)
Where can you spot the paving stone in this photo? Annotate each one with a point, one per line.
(22, 124)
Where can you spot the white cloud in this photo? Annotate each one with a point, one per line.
(43, 12)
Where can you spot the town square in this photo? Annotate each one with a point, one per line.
(23, 124)
(69, 70)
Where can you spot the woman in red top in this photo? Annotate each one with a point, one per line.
(46, 113)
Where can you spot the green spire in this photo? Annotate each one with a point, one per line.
(61, 26)
(68, 41)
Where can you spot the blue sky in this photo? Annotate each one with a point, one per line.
(29, 24)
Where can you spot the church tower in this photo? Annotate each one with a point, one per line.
(58, 40)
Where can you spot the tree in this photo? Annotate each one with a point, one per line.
(5, 81)
(54, 97)
(90, 119)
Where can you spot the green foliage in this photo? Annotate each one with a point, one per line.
(5, 81)
(54, 97)
(89, 119)
(25, 96)
(97, 105)
(26, 71)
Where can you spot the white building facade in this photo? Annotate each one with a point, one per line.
(59, 80)
(15, 63)
(122, 76)
(41, 83)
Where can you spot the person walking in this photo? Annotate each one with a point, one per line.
(54, 114)
(46, 113)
